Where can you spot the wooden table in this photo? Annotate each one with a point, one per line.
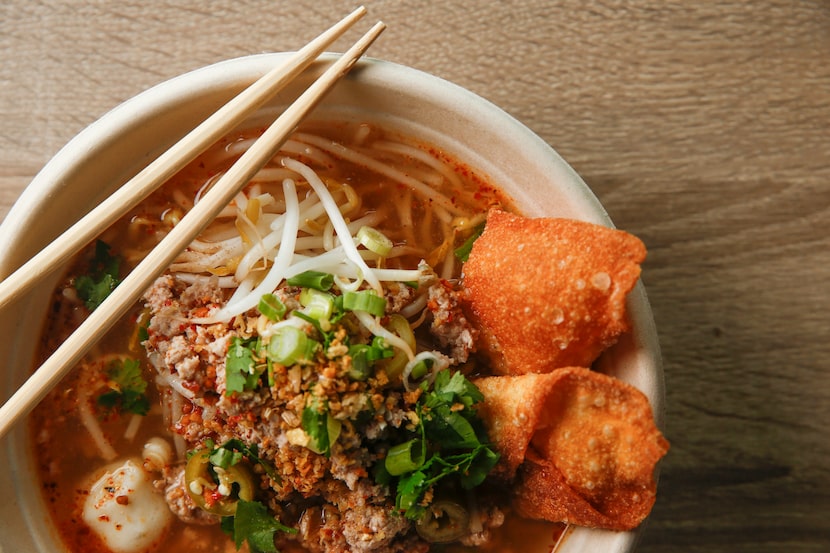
(704, 127)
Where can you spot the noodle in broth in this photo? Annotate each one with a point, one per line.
(409, 206)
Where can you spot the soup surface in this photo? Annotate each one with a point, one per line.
(263, 412)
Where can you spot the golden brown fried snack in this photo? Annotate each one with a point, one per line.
(512, 411)
(583, 445)
(549, 293)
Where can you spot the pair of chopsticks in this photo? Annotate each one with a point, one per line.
(168, 164)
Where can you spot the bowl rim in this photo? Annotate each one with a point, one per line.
(238, 72)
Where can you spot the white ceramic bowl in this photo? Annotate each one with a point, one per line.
(117, 146)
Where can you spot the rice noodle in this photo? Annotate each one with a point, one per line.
(222, 282)
(379, 167)
(182, 199)
(175, 415)
(396, 251)
(449, 264)
(199, 247)
(209, 262)
(239, 147)
(133, 427)
(424, 157)
(309, 152)
(443, 215)
(362, 133)
(90, 422)
(218, 232)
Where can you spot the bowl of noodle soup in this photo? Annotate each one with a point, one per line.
(395, 111)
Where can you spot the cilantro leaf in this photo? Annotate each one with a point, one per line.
(462, 389)
(232, 451)
(409, 491)
(471, 468)
(253, 524)
(448, 416)
(128, 388)
(102, 279)
(456, 441)
(240, 367)
(478, 467)
(450, 428)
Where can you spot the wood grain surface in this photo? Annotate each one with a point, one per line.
(703, 127)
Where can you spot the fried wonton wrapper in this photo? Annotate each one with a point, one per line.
(583, 446)
(549, 293)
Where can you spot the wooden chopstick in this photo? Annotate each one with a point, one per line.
(169, 163)
(133, 286)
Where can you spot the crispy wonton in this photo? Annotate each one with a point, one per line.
(549, 293)
(583, 446)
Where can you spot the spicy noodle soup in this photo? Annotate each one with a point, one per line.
(258, 394)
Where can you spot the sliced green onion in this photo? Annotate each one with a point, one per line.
(380, 350)
(320, 426)
(364, 300)
(288, 345)
(312, 279)
(374, 241)
(421, 368)
(269, 367)
(312, 346)
(364, 357)
(361, 367)
(409, 495)
(319, 305)
(405, 457)
(271, 306)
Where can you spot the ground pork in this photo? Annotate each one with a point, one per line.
(450, 326)
(331, 499)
